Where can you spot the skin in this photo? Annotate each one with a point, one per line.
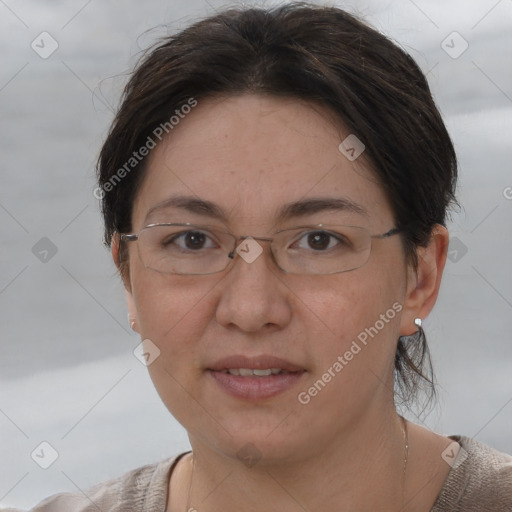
(251, 154)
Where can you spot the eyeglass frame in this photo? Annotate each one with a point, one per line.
(133, 237)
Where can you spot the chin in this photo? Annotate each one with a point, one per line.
(267, 441)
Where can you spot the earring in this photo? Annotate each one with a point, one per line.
(132, 322)
(418, 335)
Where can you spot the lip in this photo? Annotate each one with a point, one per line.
(254, 363)
(255, 388)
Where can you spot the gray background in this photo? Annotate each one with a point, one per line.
(67, 372)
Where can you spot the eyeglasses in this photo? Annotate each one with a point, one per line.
(184, 248)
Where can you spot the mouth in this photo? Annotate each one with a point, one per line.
(255, 378)
(248, 372)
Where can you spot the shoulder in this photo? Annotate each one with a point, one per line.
(140, 489)
(480, 480)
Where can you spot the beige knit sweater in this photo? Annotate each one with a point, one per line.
(480, 481)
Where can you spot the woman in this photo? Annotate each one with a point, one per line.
(275, 188)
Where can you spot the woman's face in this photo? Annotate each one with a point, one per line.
(251, 155)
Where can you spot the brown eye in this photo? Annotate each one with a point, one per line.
(190, 240)
(319, 240)
(194, 239)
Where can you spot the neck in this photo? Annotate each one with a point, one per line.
(369, 456)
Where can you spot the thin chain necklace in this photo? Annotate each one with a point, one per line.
(406, 458)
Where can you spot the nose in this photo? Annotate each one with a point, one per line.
(252, 295)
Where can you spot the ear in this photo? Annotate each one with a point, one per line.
(132, 311)
(424, 282)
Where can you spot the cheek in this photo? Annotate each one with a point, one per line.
(357, 315)
(349, 303)
(171, 310)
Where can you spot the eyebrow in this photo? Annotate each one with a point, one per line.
(288, 211)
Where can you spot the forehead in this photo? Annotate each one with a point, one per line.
(251, 155)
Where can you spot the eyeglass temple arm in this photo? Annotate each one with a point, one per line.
(129, 238)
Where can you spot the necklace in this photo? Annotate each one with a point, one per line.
(406, 458)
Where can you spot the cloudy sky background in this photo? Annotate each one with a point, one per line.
(67, 372)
